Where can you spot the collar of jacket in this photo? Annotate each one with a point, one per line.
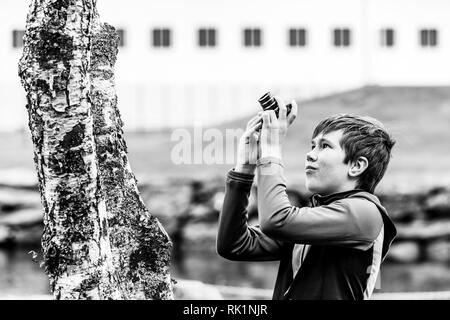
(390, 230)
(318, 200)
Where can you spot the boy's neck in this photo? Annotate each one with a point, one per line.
(344, 187)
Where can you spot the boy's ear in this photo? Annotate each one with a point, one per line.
(357, 167)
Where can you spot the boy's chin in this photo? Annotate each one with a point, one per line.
(312, 188)
(315, 189)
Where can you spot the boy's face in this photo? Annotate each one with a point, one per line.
(326, 172)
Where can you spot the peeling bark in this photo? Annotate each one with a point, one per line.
(99, 240)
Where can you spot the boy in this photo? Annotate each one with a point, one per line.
(332, 249)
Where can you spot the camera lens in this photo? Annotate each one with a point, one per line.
(268, 102)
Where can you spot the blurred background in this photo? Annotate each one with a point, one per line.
(200, 66)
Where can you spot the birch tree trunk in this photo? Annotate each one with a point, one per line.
(99, 240)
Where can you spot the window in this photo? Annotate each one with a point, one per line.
(341, 37)
(121, 33)
(428, 37)
(297, 37)
(161, 37)
(252, 37)
(387, 37)
(17, 36)
(207, 37)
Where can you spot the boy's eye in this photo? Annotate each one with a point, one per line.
(312, 147)
(325, 145)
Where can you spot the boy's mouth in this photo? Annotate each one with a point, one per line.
(310, 169)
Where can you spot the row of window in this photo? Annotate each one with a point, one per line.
(253, 37)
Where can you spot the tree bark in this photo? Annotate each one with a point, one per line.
(99, 240)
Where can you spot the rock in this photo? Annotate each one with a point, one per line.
(200, 233)
(167, 201)
(437, 203)
(409, 216)
(23, 236)
(22, 218)
(195, 290)
(423, 230)
(218, 200)
(405, 252)
(401, 205)
(439, 251)
(27, 236)
(21, 227)
(199, 211)
(5, 234)
(12, 199)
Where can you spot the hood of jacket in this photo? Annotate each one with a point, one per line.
(390, 231)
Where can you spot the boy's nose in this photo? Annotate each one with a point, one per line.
(311, 156)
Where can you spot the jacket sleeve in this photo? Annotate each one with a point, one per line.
(351, 222)
(236, 240)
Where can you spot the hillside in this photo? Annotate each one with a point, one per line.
(419, 119)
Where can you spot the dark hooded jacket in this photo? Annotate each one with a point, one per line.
(337, 244)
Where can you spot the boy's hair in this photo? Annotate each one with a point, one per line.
(362, 136)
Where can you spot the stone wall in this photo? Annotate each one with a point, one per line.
(189, 211)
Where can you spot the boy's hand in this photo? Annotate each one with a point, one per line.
(274, 129)
(248, 146)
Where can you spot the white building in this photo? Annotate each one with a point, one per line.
(171, 73)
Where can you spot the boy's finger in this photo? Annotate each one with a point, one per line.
(255, 127)
(282, 108)
(254, 120)
(273, 116)
(293, 114)
(266, 119)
